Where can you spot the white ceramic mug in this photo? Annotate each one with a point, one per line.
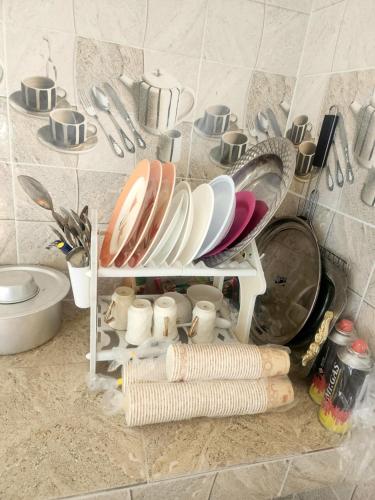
(233, 145)
(39, 93)
(216, 120)
(170, 146)
(69, 127)
(300, 126)
(117, 314)
(184, 310)
(165, 318)
(204, 313)
(139, 322)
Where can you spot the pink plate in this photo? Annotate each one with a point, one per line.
(260, 211)
(245, 205)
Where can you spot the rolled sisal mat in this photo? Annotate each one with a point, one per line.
(224, 362)
(150, 403)
(144, 370)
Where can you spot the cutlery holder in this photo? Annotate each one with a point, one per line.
(326, 135)
(80, 281)
(150, 403)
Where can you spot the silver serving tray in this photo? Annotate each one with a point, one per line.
(292, 268)
(267, 170)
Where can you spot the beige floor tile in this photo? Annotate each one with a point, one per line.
(197, 488)
(256, 482)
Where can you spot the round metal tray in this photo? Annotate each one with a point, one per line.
(292, 268)
(267, 170)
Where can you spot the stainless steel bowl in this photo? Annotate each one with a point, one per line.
(16, 286)
(32, 322)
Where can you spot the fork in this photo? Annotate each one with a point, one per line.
(90, 110)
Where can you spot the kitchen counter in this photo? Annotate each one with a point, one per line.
(56, 441)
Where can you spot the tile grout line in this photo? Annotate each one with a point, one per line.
(260, 44)
(285, 478)
(198, 83)
(363, 297)
(212, 486)
(338, 33)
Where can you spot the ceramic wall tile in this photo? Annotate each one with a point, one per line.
(355, 241)
(301, 5)
(176, 28)
(308, 99)
(92, 192)
(312, 471)
(32, 240)
(27, 54)
(204, 157)
(268, 90)
(365, 324)
(8, 248)
(322, 221)
(320, 4)
(364, 491)
(97, 62)
(282, 41)
(370, 294)
(356, 42)
(343, 491)
(256, 482)
(6, 199)
(61, 183)
(352, 305)
(316, 494)
(120, 22)
(4, 130)
(2, 61)
(222, 84)
(184, 69)
(233, 32)
(184, 489)
(47, 14)
(153, 144)
(321, 39)
(26, 146)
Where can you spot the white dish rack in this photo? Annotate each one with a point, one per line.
(247, 268)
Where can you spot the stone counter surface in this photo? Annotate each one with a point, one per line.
(55, 440)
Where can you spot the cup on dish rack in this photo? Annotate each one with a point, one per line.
(204, 320)
(39, 93)
(305, 158)
(69, 127)
(139, 321)
(216, 120)
(285, 106)
(300, 126)
(80, 281)
(233, 145)
(117, 314)
(170, 146)
(165, 318)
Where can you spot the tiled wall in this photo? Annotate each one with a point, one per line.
(337, 67)
(241, 53)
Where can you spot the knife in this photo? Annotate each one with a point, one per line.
(274, 124)
(121, 109)
(345, 147)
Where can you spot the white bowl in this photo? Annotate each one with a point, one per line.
(205, 292)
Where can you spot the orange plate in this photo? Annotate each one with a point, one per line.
(125, 214)
(162, 206)
(145, 217)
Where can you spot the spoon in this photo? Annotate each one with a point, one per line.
(39, 194)
(253, 132)
(102, 102)
(262, 122)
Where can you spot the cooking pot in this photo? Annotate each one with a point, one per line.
(30, 306)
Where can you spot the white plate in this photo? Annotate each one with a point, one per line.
(203, 206)
(172, 227)
(224, 208)
(186, 228)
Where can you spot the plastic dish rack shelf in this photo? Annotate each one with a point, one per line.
(247, 268)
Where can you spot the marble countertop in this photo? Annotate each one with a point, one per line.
(55, 440)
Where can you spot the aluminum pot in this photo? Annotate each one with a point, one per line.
(29, 323)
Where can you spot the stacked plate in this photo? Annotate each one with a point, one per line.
(156, 222)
